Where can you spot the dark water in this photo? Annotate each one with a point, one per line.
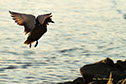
(85, 31)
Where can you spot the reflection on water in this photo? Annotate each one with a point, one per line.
(85, 31)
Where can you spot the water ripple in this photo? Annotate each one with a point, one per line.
(69, 50)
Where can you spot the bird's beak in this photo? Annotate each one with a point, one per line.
(52, 22)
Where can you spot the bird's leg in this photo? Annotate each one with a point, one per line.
(36, 44)
(30, 45)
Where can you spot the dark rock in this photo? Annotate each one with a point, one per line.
(121, 65)
(110, 81)
(118, 75)
(123, 81)
(97, 71)
(107, 61)
(124, 61)
(79, 80)
(120, 81)
(102, 72)
(97, 82)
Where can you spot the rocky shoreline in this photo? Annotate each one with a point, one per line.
(102, 72)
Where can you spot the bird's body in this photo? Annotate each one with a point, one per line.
(36, 27)
(36, 33)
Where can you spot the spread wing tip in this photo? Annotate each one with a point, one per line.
(10, 12)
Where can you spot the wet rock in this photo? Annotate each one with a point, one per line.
(97, 71)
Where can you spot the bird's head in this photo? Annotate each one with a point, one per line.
(45, 19)
(49, 20)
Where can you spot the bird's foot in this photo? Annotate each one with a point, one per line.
(36, 44)
(30, 46)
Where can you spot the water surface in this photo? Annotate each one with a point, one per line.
(85, 31)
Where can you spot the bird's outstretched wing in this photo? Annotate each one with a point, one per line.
(42, 18)
(26, 20)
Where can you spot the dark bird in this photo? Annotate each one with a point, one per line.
(36, 27)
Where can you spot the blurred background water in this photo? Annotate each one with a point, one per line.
(85, 31)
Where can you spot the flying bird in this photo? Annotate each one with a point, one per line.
(36, 27)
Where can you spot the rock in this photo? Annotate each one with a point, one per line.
(121, 65)
(123, 81)
(102, 72)
(97, 71)
(124, 61)
(116, 75)
(107, 61)
(110, 79)
(97, 82)
(70, 82)
(79, 80)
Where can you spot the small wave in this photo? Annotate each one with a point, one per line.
(29, 77)
(26, 65)
(46, 83)
(26, 52)
(124, 16)
(8, 38)
(10, 52)
(2, 69)
(100, 47)
(11, 67)
(69, 50)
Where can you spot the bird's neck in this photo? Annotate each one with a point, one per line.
(37, 22)
(44, 24)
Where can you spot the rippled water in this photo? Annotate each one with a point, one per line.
(85, 31)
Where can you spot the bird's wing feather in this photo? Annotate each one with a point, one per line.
(42, 18)
(26, 20)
